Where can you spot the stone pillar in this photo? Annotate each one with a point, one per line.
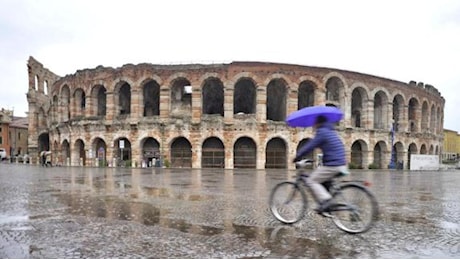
(369, 120)
(74, 156)
(261, 158)
(136, 108)
(136, 154)
(196, 156)
(165, 102)
(292, 100)
(418, 120)
(320, 96)
(89, 107)
(229, 164)
(403, 119)
(261, 104)
(389, 116)
(228, 104)
(111, 107)
(196, 104)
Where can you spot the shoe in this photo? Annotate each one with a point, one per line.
(323, 206)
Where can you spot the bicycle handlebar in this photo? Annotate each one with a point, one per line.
(304, 163)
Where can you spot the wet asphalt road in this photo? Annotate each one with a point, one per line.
(77, 212)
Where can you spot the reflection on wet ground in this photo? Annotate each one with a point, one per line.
(183, 213)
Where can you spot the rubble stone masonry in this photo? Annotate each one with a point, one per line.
(223, 115)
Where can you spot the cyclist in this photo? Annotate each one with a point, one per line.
(334, 161)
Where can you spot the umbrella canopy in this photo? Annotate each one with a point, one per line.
(306, 116)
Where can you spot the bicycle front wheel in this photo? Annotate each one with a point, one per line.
(288, 202)
(354, 208)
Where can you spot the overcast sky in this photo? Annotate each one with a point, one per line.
(401, 40)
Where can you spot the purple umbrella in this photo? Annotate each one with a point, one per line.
(306, 116)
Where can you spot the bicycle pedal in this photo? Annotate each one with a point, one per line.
(326, 214)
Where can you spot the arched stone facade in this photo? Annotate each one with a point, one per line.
(223, 115)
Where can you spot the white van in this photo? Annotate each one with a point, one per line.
(2, 154)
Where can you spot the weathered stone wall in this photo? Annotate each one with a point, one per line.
(363, 143)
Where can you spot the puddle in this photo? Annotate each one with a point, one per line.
(12, 219)
(449, 225)
(113, 208)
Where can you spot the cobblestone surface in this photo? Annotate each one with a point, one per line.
(76, 212)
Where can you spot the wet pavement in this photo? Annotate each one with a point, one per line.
(78, 212)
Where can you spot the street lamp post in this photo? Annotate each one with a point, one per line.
(392, 159)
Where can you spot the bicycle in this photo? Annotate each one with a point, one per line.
(353, 209)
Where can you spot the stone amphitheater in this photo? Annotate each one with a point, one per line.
(224, 115)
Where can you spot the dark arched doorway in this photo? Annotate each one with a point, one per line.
(244, 153)
(213, 153)
(181, 153)
(275, 154)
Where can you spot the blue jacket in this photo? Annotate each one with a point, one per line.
(329, 142)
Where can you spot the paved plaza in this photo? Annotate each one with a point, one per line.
(62, 212)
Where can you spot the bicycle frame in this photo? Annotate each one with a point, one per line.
(353, 220)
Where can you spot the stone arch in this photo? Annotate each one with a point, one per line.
(65, 152)
(245, 96)
(301, 144)
(335, 89)
(122, 151)
(245, 153)
(306, 94)
(423, 149)
(79, 147)
(413, 114)
(122, 95)
(99, 100)
(276, 99)
(431, 151)
(100, 149)
(151, 98)
(43, 142)
(358, 107)
(433, 119)
(399, 152)
(380, 151)
(411, 150)
(150, 151)
(309, 155)
(79, 101)
(276, 153)
(425, 116)
(213, 96)
(380, 110)
(181, 97)
(358, 154)
(213, 153)
(398, 112)
(181, 153)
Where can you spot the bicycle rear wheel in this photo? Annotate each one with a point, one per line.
(354, 208)
(288, 202)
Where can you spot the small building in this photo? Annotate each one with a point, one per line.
(13, 133)
(451, 146)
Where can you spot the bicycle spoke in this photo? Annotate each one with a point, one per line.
(287, 202)
(356, 209)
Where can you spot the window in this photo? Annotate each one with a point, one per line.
(1, 141)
